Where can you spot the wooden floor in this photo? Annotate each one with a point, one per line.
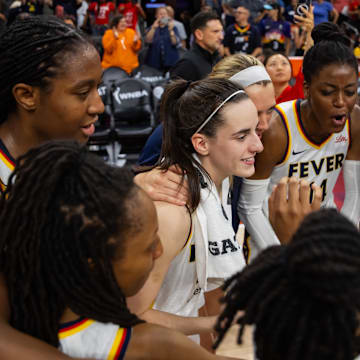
(229, 346)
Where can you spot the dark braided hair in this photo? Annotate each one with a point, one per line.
(303, 298)
(331, 47)
(32, 51)
(63, 217)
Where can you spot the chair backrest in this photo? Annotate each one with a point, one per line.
(132, 103)
(157, 80)
(113, 74)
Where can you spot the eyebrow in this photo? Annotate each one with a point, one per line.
(335, 86)
(241, 132)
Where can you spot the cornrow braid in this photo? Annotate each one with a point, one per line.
(62, 218)
(303, 298)
(32, 50)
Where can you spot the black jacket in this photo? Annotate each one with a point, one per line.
(196, 64)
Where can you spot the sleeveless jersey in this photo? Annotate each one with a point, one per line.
(7, 164)
(319, 163)
(180, 293)
(86, 338)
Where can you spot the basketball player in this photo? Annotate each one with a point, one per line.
(308, 139)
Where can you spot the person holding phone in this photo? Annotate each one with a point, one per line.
(163, 39)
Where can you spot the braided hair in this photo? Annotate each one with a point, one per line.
(303, 298)
(32, 52)
(63, 218)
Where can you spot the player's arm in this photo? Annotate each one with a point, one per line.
(164, 344)
(253, 191)
(351, 206)
(174, 227)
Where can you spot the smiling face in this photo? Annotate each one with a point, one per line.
(142, 246)
(279, 68)
(122, 25)
(71, 107)
(332, 95)
(232, 151)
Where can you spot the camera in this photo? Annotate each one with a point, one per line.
(303, 5)
(164, 20)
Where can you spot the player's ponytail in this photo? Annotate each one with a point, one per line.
(184, 108)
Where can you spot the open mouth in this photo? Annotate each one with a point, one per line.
(249, 161)
(339, 120)
(88, 130)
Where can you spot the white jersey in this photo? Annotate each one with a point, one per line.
(86, 338)
(7, 164)
(180, 293)
(304, 159)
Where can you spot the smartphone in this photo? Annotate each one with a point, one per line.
(303, 5)
(164, 20)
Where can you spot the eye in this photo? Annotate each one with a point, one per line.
(350, 93)
(83, 94)
(326, 92)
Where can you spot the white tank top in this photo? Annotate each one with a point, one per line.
(180, 292)
(304, 159)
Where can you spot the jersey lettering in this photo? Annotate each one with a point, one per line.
(329, 164)
(222, 247)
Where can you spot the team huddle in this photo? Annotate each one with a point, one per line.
(94, 265)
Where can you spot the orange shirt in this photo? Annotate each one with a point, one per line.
(121, 51)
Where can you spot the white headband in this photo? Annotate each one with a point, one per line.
(217, 109)
(250, 76)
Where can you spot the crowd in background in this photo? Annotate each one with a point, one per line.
(160, 31)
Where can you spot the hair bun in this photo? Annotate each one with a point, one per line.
(329, 32)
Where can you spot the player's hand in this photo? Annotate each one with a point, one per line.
(164, 185)
(289, 203)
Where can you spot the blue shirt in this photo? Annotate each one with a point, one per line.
(321, 12)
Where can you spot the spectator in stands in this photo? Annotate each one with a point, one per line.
(81, 12)
(102, 10)
(275, 31)
(65, 7)
(197, 63)
(178, 25)
(279, 66)
(121, 45)
(242, 37)
(131, 10)
(31, 7)
(163, 39)
(324, 11)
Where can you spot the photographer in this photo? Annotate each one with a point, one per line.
(163, 39)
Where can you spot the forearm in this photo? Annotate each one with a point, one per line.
(351, 206)
(257, 51)
(173, 38)
(253, 193)
(150, 35)
(185, 325)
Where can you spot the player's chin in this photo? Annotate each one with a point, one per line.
(246, 170)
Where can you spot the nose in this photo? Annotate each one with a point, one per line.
(96, 106)
(257, 145)
(339, 100)
(264, 119)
